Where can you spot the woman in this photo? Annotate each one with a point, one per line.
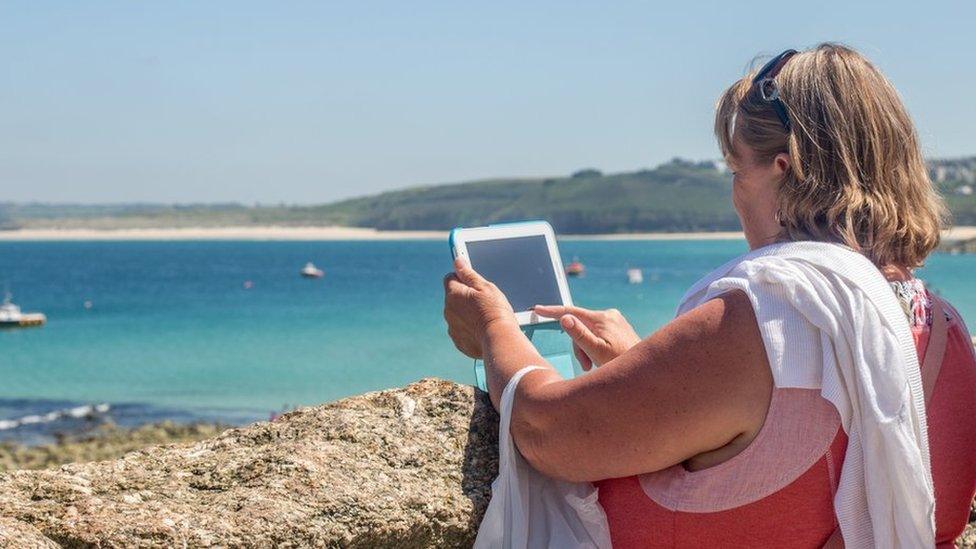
(688, 434)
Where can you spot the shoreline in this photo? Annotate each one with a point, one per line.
(281, 233)
(256, 233)
(106, 441)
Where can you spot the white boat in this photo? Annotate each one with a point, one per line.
(12, 317)
(635, 276)
(311, 271)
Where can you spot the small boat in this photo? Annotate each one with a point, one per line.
(575, 268)
(635, 276)
(311, 271)
(11, 317)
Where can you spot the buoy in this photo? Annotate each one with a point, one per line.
(575, 268)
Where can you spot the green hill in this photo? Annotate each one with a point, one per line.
(677, 196)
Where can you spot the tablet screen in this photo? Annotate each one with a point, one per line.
(520, 266)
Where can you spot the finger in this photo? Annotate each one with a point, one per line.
(550, 311)
(467, 274)
(556, 311)
(447, 278)
(583, 359)
(581, 335)
(455, 286)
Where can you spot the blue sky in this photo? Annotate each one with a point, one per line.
(305, 102)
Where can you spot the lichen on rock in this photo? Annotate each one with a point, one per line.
(408, 467)
(14, 533)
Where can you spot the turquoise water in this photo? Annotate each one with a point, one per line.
(172, 332)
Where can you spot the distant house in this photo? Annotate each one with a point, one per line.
(587, 173)
(962, 170)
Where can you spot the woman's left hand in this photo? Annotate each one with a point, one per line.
(471, 304)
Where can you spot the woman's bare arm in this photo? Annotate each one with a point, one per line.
(697, 384)
(700, 384)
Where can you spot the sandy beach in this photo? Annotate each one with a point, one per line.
(342, 233)
(303, 233)
(222, 233)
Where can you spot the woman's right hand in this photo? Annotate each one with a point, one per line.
(598, 336)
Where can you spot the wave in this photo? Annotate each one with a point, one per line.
(30, 421)
(75, 412)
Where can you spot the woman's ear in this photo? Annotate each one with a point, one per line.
(782, 163)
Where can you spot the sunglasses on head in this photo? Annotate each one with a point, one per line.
(767, 86)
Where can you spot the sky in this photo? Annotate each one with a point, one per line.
(310, 102)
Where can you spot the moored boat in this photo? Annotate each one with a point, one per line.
(311, 271)
(635, 276)
(575, 268)
(12, 317)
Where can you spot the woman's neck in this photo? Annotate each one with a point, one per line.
(897, 273)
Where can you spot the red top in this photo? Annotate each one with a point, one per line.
(779, 491)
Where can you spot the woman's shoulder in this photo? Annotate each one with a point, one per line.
(915, 301)
(915, 298)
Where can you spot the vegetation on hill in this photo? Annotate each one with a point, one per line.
(677, 196)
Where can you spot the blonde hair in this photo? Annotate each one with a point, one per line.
(856, 173)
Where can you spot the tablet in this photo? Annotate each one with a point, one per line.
(522, 259)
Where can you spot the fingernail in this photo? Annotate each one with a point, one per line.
(568, 321)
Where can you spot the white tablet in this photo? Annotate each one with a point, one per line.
(521, 259)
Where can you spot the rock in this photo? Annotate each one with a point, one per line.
(107, 441)
(967, 540)
(14, 533)
(408, 467)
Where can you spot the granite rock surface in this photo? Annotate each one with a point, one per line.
(408, 467)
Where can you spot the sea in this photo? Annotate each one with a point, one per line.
(228, 331)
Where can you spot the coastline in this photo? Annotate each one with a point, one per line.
(273, 232)
(257, 233)
(107, 441)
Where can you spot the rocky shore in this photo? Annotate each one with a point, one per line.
(408, 467)
(108, 441)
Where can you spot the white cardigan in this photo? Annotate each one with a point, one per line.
(830, 321)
